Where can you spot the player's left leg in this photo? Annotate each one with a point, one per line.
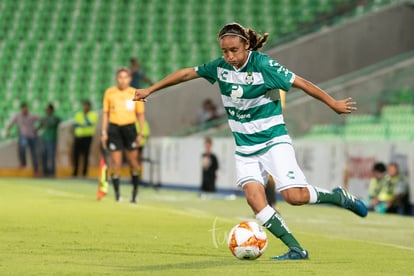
(280, 161)
(115, 169)
(129, 134)
(132, 156)
(251, 178)
(269, 218)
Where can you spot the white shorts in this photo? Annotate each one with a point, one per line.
(279, 162)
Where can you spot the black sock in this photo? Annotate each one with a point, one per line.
(115, 183)
(135, 181)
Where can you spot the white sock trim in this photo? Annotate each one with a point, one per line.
(264, 215)
(313, 195)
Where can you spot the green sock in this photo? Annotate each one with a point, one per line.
(318, 195)
(277, 226)
(329, 197)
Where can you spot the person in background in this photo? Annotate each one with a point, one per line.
(391, 193)
(25, 122)
(208, 112)
(84, 123)
(145, 133)
(210, 166)
(396, 180)
(376, 183)
(138, 74)
(119, 133)
(49, 126)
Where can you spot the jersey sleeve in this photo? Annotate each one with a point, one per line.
(106, 101)
(139, 107)
(208, 70)
(275, 75)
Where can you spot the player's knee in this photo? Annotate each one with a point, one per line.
(255, 197)
(295, 197)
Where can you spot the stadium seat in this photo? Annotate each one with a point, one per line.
(59, 48)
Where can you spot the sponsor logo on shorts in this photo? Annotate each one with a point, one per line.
(112, 146)
(291, 175)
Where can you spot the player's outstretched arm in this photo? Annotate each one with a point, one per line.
(339, 106)
(177, 77)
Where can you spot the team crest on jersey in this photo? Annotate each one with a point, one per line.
(249, 78)
(236, 93)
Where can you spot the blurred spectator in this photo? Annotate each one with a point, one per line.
(209, 168)
(25, 122)
(208, 112)
(376, 183)
(392, 192)
(138, 74)
(145, 133)
(49, 126)
(84, 124)
(400, 200)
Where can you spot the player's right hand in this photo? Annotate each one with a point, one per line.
(141, 95)
(104, 140)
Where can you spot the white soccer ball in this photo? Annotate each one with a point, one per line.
(247, 240)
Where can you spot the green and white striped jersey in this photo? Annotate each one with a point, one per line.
(250, 98)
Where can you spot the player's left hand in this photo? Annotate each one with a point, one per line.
(141, 95)
(139, 139)
(344, 106)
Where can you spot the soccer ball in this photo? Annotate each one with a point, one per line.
(247, 240)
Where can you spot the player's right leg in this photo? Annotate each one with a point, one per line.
(115, 146)
(115, 169)
(129, 134)
(251, 177)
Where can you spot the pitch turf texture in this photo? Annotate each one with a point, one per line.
(53, 227)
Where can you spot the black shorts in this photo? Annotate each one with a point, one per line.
(122, 137)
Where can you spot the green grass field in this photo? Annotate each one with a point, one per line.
(58, 228)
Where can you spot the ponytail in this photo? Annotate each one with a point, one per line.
(256, 41)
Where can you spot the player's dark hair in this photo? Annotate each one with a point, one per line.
(208, 140)
(23, 104)
(51, 107)
(379, 167)
(256, 40)
(123, 69)
(87, 102)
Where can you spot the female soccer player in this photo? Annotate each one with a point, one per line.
(119, 131)
(247, 80)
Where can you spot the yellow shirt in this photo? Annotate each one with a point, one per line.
(120, 106)
(85, 123)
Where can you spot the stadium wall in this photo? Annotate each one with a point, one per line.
(325, 164)
(369, 88)
(357, 43)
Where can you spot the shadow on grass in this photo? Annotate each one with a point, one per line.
(199, 265)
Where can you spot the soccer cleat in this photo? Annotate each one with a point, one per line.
(351, 203)
(293, 254)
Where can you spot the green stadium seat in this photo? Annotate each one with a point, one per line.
(360, 119)
(325, 129)
(400, 132)
(91, 38)
(366, 132)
